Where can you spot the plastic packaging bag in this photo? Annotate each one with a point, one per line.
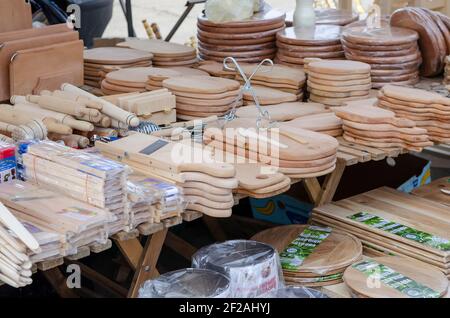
(254, 268)
(229, 10)
(295, 292)
(187, 283)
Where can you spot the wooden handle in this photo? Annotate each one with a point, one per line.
(55, 127)
(78, 124)
(402, 122)
(73, 141)
(58, 104)
(105, 122)
(6, 139)
(108, 109)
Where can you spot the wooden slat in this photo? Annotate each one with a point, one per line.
(375, 153)
(331, 183)
(190, 216)
(98, 248)
(363, 156)
(50, 264)
(147, 229)
(131, 250)
(313, 189)
(82, 252)
(125, 236)
(59, 282)
(350, 160)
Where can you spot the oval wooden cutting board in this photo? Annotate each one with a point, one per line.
(115, 55)
(199, 84)
(321, 35)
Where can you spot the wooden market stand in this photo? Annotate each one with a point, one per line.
(143, 259)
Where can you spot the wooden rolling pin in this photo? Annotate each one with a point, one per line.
(17, 117)
(73, 141)
(6, 139)
(108, 109)
(82, 100)
(62, 105)
(24, 132)
(41, 113)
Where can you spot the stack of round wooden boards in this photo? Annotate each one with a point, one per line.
(434, 36)
(325, 123)
(155, 80)
(251, 40)
(395, 277)
(296, 44)
(368, 125)
(203, 96)
(428, 110)
(99, 61)
(334, 83)
(295, 152)
(165, 54)
(326, 262)
(392, 52)
(286, 80)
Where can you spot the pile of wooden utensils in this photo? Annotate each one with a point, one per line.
(70, 114)
(188, 165)
(16, 242)
(83, 176)
(428, 110)
(371, 126)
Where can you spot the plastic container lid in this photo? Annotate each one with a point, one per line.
(187, 283)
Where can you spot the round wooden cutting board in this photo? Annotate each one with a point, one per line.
(418, 271)
(384, 36)
(115, 56)
(321, 35)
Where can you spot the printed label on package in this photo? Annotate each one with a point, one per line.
(395, 280)
(304, 245)
(401, 230)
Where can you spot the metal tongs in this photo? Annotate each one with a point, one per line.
(247, 87)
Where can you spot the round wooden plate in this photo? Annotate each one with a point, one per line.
(174, 59)
(398, 78)
(181, 63)
(412, 81)
(309, 48)
(227, 94)
(122, 88)
(215, 41)
(245, 30)
(393, 72)
(432, 42)
(257, 53)
(159, 48)
(384, 36)
(187, 109)
(341, 67)
(321, 35)
(244, 36)
(115, 55)
(378, 48)
(418, 271)
(201, 84)
(374, 53)
(206, 102)
(302, 55)
(399, 66)
(329, 77)
(267, 16)
(441, 25)
(384, 60)
(337, 251)
(239, 59)
(335, 16)
(235, 49)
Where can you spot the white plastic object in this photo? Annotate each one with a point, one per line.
(218, 11)
(304, 14)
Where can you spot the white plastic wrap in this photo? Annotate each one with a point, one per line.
(295, 292)
(254, 268)
(187, 283)
(229, 10)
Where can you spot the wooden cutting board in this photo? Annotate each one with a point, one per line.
(337, 251)
(244, 54)
(378, 48)
(270, 96)
(415, 56)
(284, 111)
(201, 186)
(334, 78)
(310, 49)
(317, 122)
(216, 69)
(201, 85)
(420, 272)
(292, 56)
(339, 88)
(340, 67)
(239, 36)
(338, 95)
(115, 56)
(335, 16)
(431, 41)
(246, 42)
(334, 101)
(396, 78)
(323, 82)
(15, 15)
(207, 195)
(384, 128)
(414, 95)
(389, 135)
(417, 213)
(384, 36)
(234, 49)
(243, 30)
(363, 112)
(276, 74)
(205, 102)
(435, 191)
(386, 142)
(320, 35)
(159, 48)
(203, 96)
(375, 53)
(398, 66)
(209, 203)
(138, 145)
(251, 177)
(416, 111)
(265, 17)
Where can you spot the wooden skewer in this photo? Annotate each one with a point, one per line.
(108, 108)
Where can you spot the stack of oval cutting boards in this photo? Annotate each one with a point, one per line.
(392, 52)
(165, 54)
(155, 81)
(371, 126)
(286, 80)
(207, 183)
(203, 96)
(250, 40)
(428, 110)
(312, 256)
(296, 44)
(434, 36)
(393, 222)
(325, 123)
(334, 83)
(394, 277)
(100, 61)
(295, 152)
